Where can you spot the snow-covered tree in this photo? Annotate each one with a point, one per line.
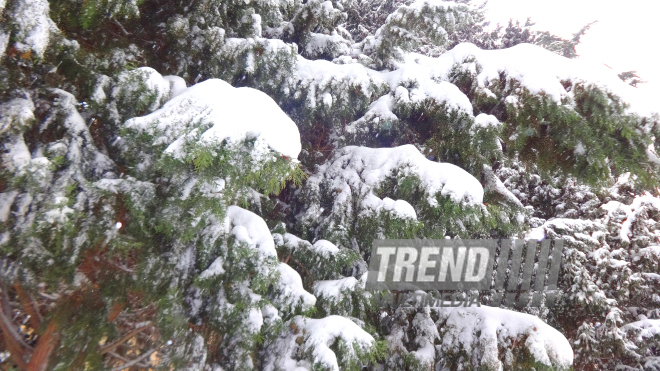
(197, 185)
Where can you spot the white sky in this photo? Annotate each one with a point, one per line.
(626, 37)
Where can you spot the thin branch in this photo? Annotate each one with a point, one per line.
(123, 339)
(123, 30)
(123, 359)
(135, 361)
(119, 357)
(49, 296)
(125, 269)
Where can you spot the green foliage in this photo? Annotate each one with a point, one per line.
(96, 217)
(409, 27)
(590, 140)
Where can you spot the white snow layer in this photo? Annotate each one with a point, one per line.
(484, 120)
(355, 165)
(177, 85)
(18, 111)
(251, 229)
(314, 337)
(214, 269)
(538, 70)
(291, 287)
(323, 248)
(323, 332)
(425, 86)
(644, 328)
(231, 114)
(332, 288)
(400, 208)
(485, 327)
(34, 26)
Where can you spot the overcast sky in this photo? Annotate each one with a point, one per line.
(626, 37)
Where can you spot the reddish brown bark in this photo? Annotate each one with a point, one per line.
(29, 306)
(13, 347)
(45, 346)
(114, 311)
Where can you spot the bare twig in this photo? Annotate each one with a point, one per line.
(123, 30)
(112, 346)
(135, 361)
(49, 296)
(123, 359)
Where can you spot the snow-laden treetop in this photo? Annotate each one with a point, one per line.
(537, 69)
(213, 111)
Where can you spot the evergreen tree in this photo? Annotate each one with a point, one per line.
(197, 185)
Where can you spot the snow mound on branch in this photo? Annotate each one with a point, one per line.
(177, 85)
(291, 287)
(16, 112)
(323, 248)
(644, 328)
(332, 288)
(400, 208)
(327, 84)
(231, 114)
(214, 269)
(354, 166)
(324, 332)
(537, 69)
(250, 228)
(312, 338)
(421, 85)
(484, 120)
(486, 327)
(153, 80)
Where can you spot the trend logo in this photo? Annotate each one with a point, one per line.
(459, 265)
